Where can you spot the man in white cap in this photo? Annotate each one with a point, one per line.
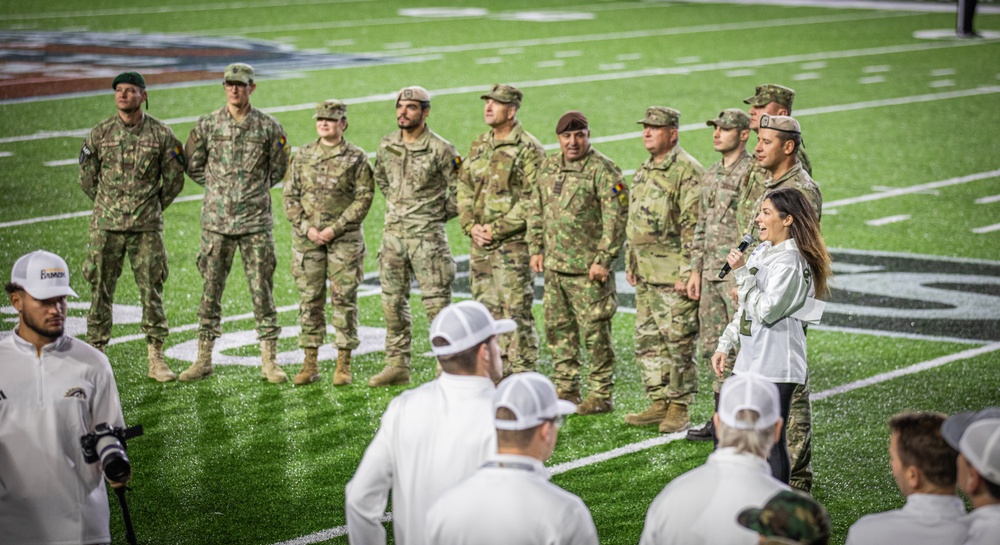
(54, 389)
(701, 506)
(510, 499)
(433, 436)
(976, 437)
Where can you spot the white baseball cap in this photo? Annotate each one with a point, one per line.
(464, 325)
(43, 275)
(749, 391)
(533, 400)
(977, 437)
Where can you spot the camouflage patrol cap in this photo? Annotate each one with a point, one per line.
(781, 123)
(508, 94)
(413, 92)
(239, 72)
(134, 78)
(331, 109)
(731, 118)
(793, 516)
(770, 92)
(660, 116)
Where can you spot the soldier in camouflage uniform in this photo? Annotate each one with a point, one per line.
(788, 517)
(494, 194)
(714, 235)
(326, 198)
(238, 153)
(132, 167)
(663, 213)
(575, 232)
(417, 171)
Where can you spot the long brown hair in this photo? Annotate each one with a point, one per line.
(789, 201)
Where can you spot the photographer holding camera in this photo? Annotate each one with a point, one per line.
(57, 396)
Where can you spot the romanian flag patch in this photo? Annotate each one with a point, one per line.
(457, 161)
(282, 142)
(178, 154)
(619, 190)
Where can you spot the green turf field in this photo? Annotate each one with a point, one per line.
(899, 119)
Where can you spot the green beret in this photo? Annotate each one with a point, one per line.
(129, 77)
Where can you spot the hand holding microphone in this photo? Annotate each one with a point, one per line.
(744, 244)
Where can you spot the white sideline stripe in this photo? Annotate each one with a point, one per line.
(987, 229)
(988, 200)
(915, 188)
(670, 438)
(888, 219)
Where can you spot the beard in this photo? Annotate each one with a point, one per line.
(48, 332)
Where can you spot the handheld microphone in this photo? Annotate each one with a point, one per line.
(747, 240)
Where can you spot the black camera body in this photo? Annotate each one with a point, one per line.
(106, 444)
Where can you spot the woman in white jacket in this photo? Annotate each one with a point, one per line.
(778, 288)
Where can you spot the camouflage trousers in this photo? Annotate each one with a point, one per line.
(666, 327)
(799, 438)
(342, 263)
(105, 259)
(428, 257)
(577, 306)
(502, 280)
(215, 259)
(715, 311)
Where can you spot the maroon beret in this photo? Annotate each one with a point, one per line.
(571, 121)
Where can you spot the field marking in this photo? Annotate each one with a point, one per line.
(888, 219)
(871, 79)
(915, 188)
(987, 229)
(924, 7)
(176, 9)
(988, 200)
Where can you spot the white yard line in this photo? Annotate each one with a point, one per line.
(986, 229)
(888, 220)
(988, 200)
(914, 189)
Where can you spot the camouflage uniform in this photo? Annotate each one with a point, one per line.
(238, 163)
(419, 183)
(662, 215)
(495, 188)
(132, 174)
(328, 187)
(579, 214)
(788, 517)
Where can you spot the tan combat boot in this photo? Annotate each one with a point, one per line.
(653, 415)
(595, 405)
(269, 368)
(677, 419)
(390, 376)
(342, 375)
(202, 367)
(157, 369)
(310, 368)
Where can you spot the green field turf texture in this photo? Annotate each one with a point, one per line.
(235, 460)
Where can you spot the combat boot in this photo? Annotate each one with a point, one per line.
(595, 405)
(342, 375)
(157, 369)
(390, 376)
(202, 367)
(653, 415)
(269, 368)
(676, 420)
(573, 396)
(706, 432)
(310, 368)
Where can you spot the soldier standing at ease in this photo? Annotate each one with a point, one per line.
(326, 198)
(715, 234)
(417, 171)
(132, 167)
(238, 153)
(575, 232)
(494, 194)
(661, 223)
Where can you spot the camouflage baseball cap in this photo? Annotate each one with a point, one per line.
(413, 92)
(331, 109)
(771, 92)
(781, 123)
(730, 118)
(791, 515)
(660, 116)
(134, 78)
(239, 72)
(508, 94)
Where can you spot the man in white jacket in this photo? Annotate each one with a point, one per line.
(433, 436)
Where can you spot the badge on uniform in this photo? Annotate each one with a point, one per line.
(178, 154)
(282, 141)
(457, 161)
(619, 190)
(85, 153)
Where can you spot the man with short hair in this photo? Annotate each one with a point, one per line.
(238, 153)
(976, 437)
(701, 505)
(575, 232)
(433, 436)
(924, 467)
(326, 199)
(510, 499)
(417, 171)
(716, 232)
(132, 167)
(663, 213)
(56, 389)
(789, 517)
(494, 193)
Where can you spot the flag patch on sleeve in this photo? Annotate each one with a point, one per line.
(178, 155)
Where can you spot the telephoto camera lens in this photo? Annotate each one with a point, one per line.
(114, 461)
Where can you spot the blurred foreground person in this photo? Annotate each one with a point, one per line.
(976, 436)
